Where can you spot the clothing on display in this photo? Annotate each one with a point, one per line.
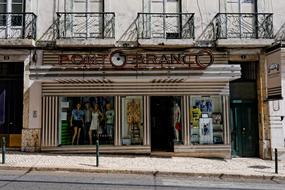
(109, 120)
(95, 121)
(195, 115)
(77, 115)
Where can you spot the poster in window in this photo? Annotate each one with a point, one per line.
(206, 131)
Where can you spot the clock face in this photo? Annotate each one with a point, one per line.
(118, 59)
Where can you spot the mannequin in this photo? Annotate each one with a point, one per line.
(96, 114)
(76, 121)
(177, 121)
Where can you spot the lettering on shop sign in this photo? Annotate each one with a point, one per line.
(121, 59)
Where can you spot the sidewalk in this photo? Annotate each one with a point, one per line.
(236, 167)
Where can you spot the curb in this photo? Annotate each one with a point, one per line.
(149, 172)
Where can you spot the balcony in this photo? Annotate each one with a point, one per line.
(165, 29)
(243, 29)
(17, 29)
(85, 29)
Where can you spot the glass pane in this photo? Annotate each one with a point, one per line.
(80, 6)
(172, 6)
(157, 6)
(3, 8)
(17, 20)
(95, 6)
(84, 119)
(2, 20)
(17, 8)
(206, 120)
(17, 1)
(3, 1)
(132, 120)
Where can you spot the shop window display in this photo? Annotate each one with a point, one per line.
(84, 119)
(132, 120)
(206, 120)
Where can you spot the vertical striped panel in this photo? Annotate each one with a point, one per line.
(226, 119)
(120, 115)
(50, 121)
(117, 121)
(186, 110)
(148, 132)
(145, 117)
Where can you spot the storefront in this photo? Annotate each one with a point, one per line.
(135, 100)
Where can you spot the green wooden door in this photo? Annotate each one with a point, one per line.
(244, 129)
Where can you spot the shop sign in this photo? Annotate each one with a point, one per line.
(274, 76)
(124, 59)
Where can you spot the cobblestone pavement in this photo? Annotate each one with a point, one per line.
(242, 167)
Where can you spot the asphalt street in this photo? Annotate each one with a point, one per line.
(14, 179)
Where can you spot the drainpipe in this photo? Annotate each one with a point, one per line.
(256, 18)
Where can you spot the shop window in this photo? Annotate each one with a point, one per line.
(84, 119)
(132, 120)
(206, 120)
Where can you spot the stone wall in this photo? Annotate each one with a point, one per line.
(31, 140)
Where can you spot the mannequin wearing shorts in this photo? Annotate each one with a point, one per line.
(76, 122)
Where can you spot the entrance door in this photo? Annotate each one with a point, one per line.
(11, 100)
(162, 133)
(245, 129)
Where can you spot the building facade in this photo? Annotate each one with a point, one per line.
(183, 77)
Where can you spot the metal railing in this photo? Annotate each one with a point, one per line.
(165, 25)
(280, 35)
(18, 26)
(243, 25)
(85, 25)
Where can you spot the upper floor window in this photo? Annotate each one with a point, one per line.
(12, 7)
(237, 6)
(162, 6)
(85, 5)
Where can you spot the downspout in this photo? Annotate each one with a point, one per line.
(256, 18)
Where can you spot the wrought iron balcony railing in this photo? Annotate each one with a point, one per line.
(86, 25)
(166, 25)
(18, 25)
(243, 25)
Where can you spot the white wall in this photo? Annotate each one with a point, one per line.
(276, 7)
(126, 12)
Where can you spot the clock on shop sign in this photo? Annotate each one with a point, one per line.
(118, 58)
